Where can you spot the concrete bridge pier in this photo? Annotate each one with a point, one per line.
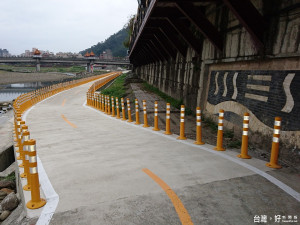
(90, 66)
(38, 65)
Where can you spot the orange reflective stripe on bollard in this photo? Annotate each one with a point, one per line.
(168, 123)
(145, 114)
(118, 109)
(244, 147)
(182, 128)
(219, 146)
(36, 200)
(156, 117)
(123, 109)
(275, 145)
(129, 111)
(137, 115)
(198, 127)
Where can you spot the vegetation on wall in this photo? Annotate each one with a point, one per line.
(117, 88)
(129, 29)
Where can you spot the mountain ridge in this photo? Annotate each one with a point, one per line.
(113, 42)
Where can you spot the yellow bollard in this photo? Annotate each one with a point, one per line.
(17, 130)
(198, 127)
(219, 146)
(244, 148)
(118, 109)
(112, 107)
(91, 100)
(108, 105)
(17, 123)
(94, 101)
(168, 123)
(275, 145)
(103, 105)
(100, 105)
(19, 138)
(123, 109)
(137, 115)
(36, 200)
(27, 187)
(129, 111)
(145, 114)
(182, 135)
(98, 102)
(25, 138)
(155, 117)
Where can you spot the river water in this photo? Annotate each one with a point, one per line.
(9, 92)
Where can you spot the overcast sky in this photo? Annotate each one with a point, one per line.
(60, 25)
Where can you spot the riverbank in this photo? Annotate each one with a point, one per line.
(15, 77)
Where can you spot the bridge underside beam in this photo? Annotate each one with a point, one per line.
(203, 24)
(250, 18)
(163, 27)
(164, 42)
(178, 24)
(182, 28)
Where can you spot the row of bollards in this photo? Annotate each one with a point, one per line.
(106, 106)
(25, 147)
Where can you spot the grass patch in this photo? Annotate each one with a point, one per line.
(174, 102)
(30, 68)
(228, 134)
(235, 144)
(117, 88)
(210, 123)
(10, 177)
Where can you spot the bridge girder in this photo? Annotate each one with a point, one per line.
(184, 23)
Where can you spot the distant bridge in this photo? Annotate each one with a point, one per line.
(89, 61)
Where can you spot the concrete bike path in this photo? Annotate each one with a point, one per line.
(96, 165)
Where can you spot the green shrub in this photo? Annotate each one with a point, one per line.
(117, 88)
(174, 102)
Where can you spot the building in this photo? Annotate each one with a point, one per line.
(4, 53)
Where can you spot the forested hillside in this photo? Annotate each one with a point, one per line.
(114, 43)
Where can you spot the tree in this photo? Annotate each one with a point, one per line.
(129, 28)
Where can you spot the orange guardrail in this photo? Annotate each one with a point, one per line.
(25, 146)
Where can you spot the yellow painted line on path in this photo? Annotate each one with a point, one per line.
(64, 102)
(179, 207)
(71, 124)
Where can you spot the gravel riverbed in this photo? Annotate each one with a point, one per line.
(15, 77)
